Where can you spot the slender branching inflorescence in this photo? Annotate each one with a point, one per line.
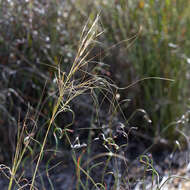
(69, 88)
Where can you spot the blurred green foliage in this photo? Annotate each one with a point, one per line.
(153, 41)
(33, 40)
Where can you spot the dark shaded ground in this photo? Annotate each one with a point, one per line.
(58, 171)
(63, 176)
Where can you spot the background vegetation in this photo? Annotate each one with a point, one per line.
(138, 44)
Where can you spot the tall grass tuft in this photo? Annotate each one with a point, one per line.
(70, 87)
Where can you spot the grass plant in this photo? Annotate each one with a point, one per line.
(69, 88)
(147, 44)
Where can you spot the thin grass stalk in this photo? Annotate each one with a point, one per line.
(63, 86)
(45, 139)
(18, 156)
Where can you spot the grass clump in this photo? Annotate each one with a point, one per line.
(68, 90)
(69, 107)
(69, 86)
